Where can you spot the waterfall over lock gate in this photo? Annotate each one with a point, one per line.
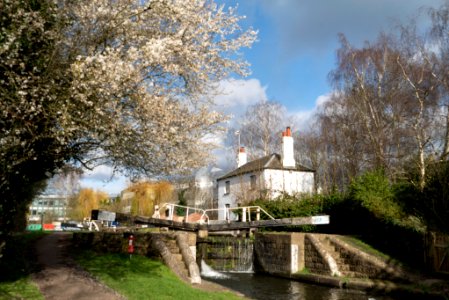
(227, 253)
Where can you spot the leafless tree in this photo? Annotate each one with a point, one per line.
(261, 126)
(383, 113)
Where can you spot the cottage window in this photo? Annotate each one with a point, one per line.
(227, 187)
(253, 181)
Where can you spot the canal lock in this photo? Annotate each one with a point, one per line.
(226, 253)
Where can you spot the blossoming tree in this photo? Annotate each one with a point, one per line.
(122, 82)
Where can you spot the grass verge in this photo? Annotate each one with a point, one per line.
(141, 277)
(16, 265)
(22, 288)
(357, 243)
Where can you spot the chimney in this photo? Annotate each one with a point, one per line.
(288, 159)
(241, 158)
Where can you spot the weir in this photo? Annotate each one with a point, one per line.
(226, 253)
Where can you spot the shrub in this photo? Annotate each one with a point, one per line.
(374, 192)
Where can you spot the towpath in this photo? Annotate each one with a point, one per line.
(60, 278)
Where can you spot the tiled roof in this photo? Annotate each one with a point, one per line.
(272, 161)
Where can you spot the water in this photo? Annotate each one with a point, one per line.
(210, 273)
(228, 254)
(257, 286)
(234, 256)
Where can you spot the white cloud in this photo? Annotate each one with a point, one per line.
(304, 118)
(102, 173)
(321, 100)
(235, 95)
(102, 178)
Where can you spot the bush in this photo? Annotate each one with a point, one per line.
(372, 210)
(374, 192)
(287, 206)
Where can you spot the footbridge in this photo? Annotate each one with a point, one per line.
(236, 218)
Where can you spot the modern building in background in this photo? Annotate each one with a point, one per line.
(54, 206)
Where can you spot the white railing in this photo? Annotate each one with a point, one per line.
(246, 212)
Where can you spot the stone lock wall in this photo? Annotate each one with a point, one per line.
(113, 242)
(274, 253)
(281, 253)
(289, 253)
(314, 260)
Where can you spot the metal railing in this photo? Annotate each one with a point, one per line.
(246, 212)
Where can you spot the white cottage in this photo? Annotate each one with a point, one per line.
(269, 176)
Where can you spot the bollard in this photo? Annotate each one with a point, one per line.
(131, 245)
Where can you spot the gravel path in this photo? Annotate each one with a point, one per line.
(60, 279)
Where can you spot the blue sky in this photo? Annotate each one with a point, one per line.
(294, 53)
(298, 40)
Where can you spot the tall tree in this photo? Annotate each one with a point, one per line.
(384, 112)
(99, 82)
(389, 109)
(423, 109)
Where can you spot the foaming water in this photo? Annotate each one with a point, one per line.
(208, 272)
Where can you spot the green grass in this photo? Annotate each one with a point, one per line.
(365, 247)
(15, 267)
(141, 277)
(22, 288)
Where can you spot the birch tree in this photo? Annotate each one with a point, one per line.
(382, 115)
(422, 117)
(388, 106)
(123, 83)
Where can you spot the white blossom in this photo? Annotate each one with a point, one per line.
(126, 82)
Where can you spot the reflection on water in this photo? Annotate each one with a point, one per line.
(257, 286)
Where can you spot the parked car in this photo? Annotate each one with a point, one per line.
(71, 226)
